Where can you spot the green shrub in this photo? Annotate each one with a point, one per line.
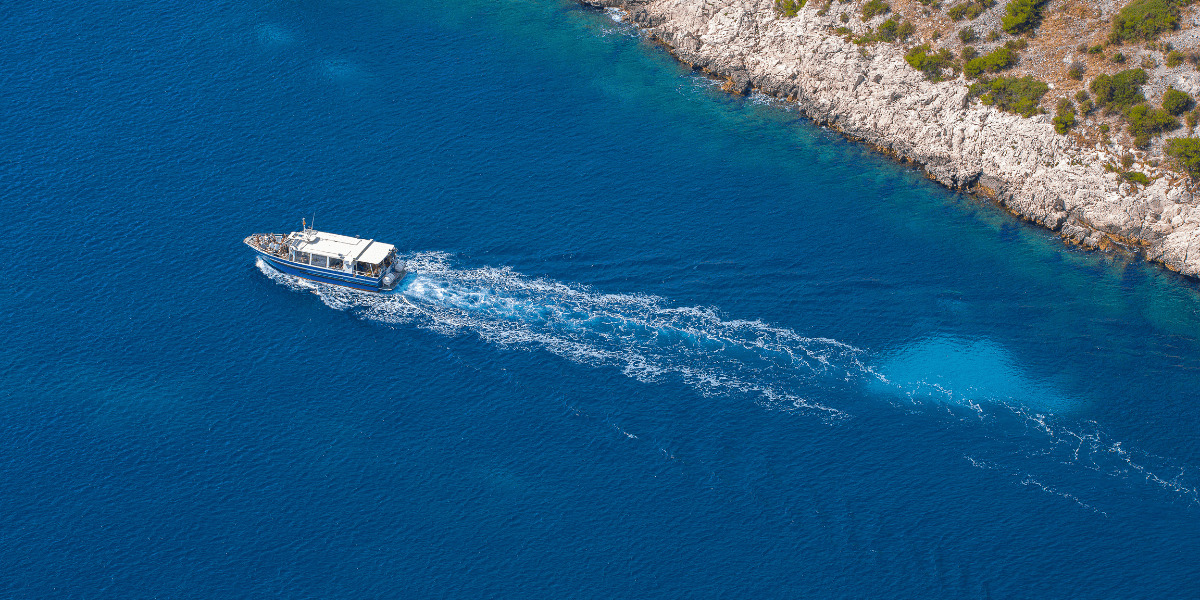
(1017, 44)
(788, 8)
(1118, 58)
(1022, 16)
(969, 10)
(1148, 63)
(1120, 91)
(1192, 117)
(973, 68)
(1174, 58)
(1176, 102)
(845, 18)
(969, 52)
(887, 31)
(967, 35)
(1136, 177)
(1064, 118)
(993, 62)
(890, 31)
(1185, 152)
(1097, 49)
(1085, 103)
(1146, 122)
(1126, 161)
(1012, 94)
(874, 8)
(1076, 70)
(930, 63)
(1144, 20)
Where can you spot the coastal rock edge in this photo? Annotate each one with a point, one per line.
(875, 97)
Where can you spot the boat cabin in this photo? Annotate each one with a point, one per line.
(364, 258)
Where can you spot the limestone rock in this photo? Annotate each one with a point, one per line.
(877, 98)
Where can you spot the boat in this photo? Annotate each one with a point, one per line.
(361, 264)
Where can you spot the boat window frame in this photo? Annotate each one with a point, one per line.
(336, 264)
(324, 261)
(302, 257)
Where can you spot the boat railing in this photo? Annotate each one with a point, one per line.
(271, 243)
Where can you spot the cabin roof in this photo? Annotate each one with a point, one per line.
(342, 246)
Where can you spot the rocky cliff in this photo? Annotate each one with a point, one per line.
(870, 93)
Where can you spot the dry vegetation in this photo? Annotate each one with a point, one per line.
(1066, 49)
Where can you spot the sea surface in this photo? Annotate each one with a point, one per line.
(659, 342)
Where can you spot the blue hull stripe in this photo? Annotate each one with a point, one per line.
(317, 274)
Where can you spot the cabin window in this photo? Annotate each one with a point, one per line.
(319, 261)
(335, 263)
(302, 258)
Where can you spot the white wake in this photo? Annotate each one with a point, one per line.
(650, 340)
(640, 334)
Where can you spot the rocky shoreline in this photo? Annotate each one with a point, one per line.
(873, 95)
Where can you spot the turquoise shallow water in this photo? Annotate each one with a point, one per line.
(659, 341)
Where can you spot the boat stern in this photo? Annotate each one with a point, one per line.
(393, 277)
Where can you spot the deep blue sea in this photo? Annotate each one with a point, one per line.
(660, 342)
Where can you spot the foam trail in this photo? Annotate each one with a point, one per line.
(638, 333)
(649, 340)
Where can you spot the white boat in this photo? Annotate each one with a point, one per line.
(325, 257)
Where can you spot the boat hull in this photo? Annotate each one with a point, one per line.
(319, 275)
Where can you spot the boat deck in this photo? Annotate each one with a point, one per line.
(269, 243)
(290, 254)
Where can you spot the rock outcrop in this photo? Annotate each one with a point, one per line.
(873, 95)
